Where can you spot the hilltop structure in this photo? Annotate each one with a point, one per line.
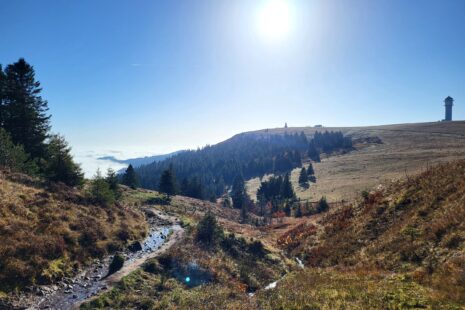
(448, 103)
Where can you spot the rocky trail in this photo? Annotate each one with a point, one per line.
(69, 293)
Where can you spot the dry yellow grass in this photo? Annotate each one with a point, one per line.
(406, 150)
(47, 233)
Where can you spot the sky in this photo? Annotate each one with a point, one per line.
(130, 78)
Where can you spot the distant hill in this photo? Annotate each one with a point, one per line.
(216, 167)
(382, 153)
(139, 161)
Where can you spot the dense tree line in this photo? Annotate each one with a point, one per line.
(278, 192)
(26, 143)
(206, 173)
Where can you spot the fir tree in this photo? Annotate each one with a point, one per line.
(60, 166)
(238, 193)
(167, 184)
(112, 180)
(13, 156)
(303, 177)
(310, 170)
(209, 232)
(130, 177)
(313, 152)
(323, 205)
(100, 192)
(24, 112)
(287, 192)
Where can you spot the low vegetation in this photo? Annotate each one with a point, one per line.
(48, 233)
(414, 228)
(193, 276)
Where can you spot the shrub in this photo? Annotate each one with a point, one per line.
(323, 205)
(208, 230)
(159, 200)
(100, 191)
(257, 248)
(116, 264)
(152, 266)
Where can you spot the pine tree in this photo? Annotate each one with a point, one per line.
(59, 166)
(24, 112)
(238, 193)
(312, 151)
(323, 205)
(167, 184)
(112, 180)
(287, 192)
(310, 170)
(100, 192)
(209, 232)
(13, 156)
(130, 177)
(303, 177)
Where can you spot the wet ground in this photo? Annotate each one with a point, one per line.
(90, 282)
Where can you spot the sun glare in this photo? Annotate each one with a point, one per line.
(274, 19)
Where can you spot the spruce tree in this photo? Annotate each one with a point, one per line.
(310, 170)
(112, 180)
(13, 156)
(130, 177)
(59, 166)
(287, 192)
(303, 177)
(238, 193)
(24, 112)
(167, 184)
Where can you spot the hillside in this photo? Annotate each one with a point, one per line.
(412, 228)
(139, 161)
(48, 233)
(401, 246)
(406, 149)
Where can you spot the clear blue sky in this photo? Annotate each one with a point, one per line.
(156, 76)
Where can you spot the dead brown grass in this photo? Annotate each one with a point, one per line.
(414, 227)
(48, 233)
(407, 149)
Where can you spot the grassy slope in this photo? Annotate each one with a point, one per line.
(407, 148)
(235, 267)
(402, 247)
(414, 228)
(47, 233)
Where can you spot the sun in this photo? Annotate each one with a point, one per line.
(274, 19)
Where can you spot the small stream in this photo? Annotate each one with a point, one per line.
(91, 281)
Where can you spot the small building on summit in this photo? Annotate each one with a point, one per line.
(448, 103)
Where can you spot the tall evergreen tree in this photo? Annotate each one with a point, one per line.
(13, 156)
(112, 180)
(167, 184)
(238, 193)
(303, 177)
(24, 112)
(130, 177)
(287, 192)
(60, 166)
(310, 170)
